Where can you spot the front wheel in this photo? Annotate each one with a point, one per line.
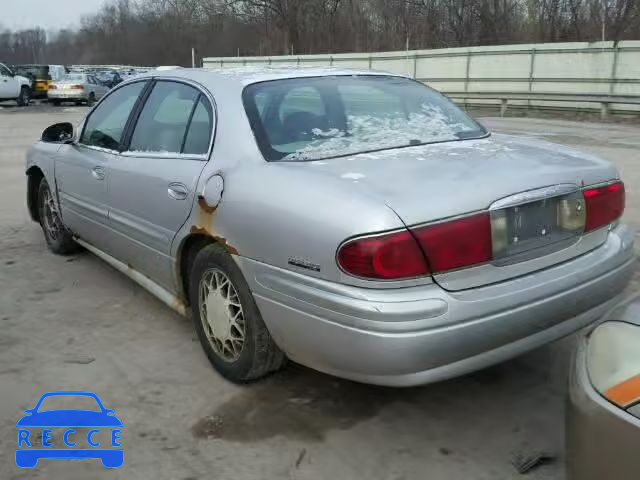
(24, 98)
(227, 320)
(59, 239)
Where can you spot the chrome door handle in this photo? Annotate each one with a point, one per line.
(178, 191)
(98, 173)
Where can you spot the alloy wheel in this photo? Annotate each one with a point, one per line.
(221, 314)
(50, 219)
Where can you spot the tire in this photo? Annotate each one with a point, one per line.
(92, 99)
(24, 98)
(257, 355)
(59, 239)
(56, 103)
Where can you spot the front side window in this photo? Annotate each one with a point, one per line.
(165, 118)
(38, 72)
(105, 127)
(334, 116)
(4, 71)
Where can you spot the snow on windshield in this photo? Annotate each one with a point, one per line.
(368, 132)
(312, 118)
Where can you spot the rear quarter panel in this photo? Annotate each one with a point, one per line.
(273, 215)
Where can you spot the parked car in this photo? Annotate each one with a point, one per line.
(109, 78)
(14, 87)
(77, 88)
(603, 408)
(358, 223)
(41, 76)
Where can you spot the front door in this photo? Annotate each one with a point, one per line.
(152, 185)
(82, 169)
(9, 86)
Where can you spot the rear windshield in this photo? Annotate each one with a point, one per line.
(39, 72)
(334, 116)
(73, 77)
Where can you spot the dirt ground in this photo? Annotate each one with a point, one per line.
(73, 323)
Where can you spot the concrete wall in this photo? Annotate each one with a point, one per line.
(596, 68)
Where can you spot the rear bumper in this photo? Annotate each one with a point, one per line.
(66, 95)
(417, 335)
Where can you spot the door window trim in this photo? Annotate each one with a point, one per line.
(142, 94)
(204, 95)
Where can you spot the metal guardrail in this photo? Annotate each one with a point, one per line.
(571, 74)
(605, 101)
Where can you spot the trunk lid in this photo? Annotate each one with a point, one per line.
(524, 180)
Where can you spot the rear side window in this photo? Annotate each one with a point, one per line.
(105, 126)
(164, 120)
(200, 129)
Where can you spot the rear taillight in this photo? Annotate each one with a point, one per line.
(448, 245)
(52, 87)
(604, 205)
(457, 243)
(388, 257)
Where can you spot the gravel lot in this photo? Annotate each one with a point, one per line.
(74, 323)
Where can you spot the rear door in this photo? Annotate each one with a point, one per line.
(153, 183)
(82, 168)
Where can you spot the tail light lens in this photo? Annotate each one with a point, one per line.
(386, 257)
(455, 244)
(604, 205)
(52, 87)
(458, 243)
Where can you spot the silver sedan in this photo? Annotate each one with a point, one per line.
(77, 88)
(355, 222)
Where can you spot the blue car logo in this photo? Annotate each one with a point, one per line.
(29, 451)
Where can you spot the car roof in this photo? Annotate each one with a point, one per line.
(243, 76)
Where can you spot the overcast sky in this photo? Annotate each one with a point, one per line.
(49, 14)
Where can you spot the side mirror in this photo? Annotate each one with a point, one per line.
(58, 133)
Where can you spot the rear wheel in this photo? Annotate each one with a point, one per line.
(24, 98)
(227, 320)
(59, 239)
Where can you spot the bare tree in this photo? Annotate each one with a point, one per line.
(164, 31)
